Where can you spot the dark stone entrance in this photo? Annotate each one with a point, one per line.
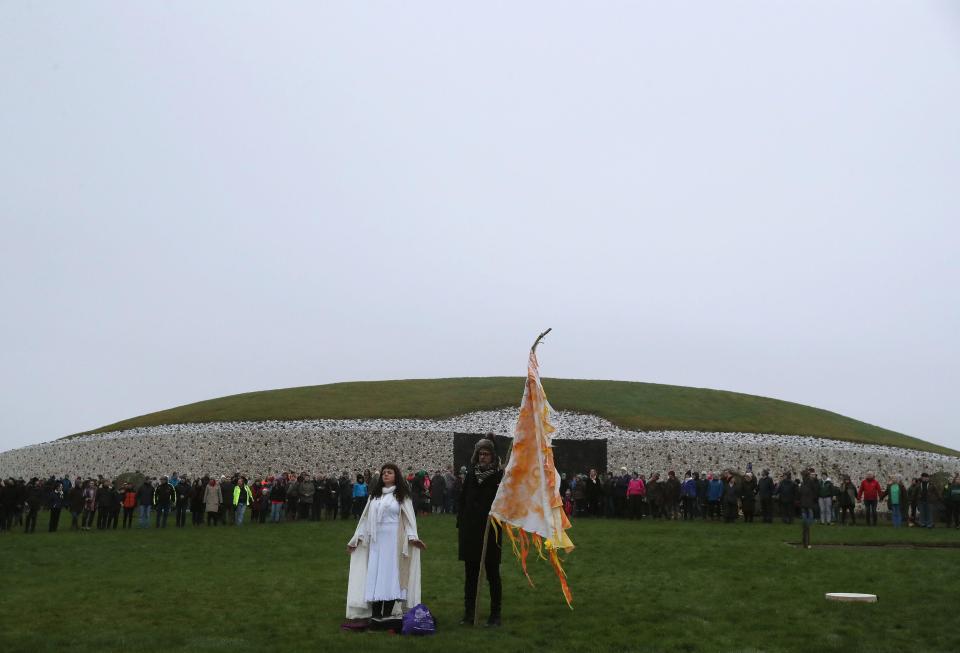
(569, 456)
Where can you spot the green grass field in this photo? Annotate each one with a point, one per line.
(638, 586)
(636, 406)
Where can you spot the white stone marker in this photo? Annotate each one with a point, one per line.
(851, 597)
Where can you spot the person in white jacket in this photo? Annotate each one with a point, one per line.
(385, 552)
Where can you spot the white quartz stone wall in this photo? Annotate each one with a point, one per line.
(324, 446)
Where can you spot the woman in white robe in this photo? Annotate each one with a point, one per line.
(385, 552)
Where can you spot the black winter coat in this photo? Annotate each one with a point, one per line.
(787, 491)
(809, 493)
(34, 497)
(75, 499)
(765, 487)
(145, 494)
(731, 493)
(166, 495)
(472, 511)
(747, 491)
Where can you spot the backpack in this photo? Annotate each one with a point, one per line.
(419, 621)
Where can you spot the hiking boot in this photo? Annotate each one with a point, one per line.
(493, 621)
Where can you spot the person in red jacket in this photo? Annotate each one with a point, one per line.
(870, 491)
(129, 503)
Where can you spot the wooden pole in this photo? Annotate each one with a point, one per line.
(481, 576)
(539, 338)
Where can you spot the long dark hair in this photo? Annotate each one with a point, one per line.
(402, 491)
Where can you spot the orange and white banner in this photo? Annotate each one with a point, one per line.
(528, 506)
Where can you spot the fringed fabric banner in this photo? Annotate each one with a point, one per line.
(528, 507)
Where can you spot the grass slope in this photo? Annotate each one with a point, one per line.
(636, 406)
(638, 586)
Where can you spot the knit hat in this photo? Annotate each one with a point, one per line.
(481, 444)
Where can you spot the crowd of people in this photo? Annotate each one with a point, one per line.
(102, 503)
(730, 496)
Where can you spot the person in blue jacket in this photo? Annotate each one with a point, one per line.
(714, 495)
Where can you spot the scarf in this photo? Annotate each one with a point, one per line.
(483, 472)
(376, 510)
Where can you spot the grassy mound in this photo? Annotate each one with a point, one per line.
(636, 406)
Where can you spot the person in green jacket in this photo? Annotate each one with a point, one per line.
(896, 496)
(826, 500)
(242, 497)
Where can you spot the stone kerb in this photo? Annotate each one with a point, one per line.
(331, 446)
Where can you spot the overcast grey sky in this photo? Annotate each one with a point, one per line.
(201, 199)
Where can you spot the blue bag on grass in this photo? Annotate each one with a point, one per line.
(419, 621)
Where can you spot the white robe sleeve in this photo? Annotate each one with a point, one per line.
(357, 607)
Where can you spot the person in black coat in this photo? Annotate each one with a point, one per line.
(346, 495)
(593, 491)
(332, 498)
(765, 492)
(104, 502)
(116, 500)
(75, 505)
(196, 500)
(476, 497)
(165, 498)
(731, 494)
(787, 493)
(183, 501)
(32, 505)
(748, 490)
(55, 501)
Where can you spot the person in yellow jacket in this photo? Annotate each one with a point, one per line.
(242, 497)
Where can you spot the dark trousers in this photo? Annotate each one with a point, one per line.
(54, 519)
(766, 509)
(212, 518)
(730, 511)
(113, 518)
(30, 524)
(305, 509)
(181, 514)
(88, 518)
(748, 507)
(358, 504)
(786, 512)
(128, 517)
(635, 506)
(870, 507)
(197, 516)
(713, 507)
(472, 571)
(74, 520)
(847, 510)
(102, 515)
(382, 609)
(162, 513)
